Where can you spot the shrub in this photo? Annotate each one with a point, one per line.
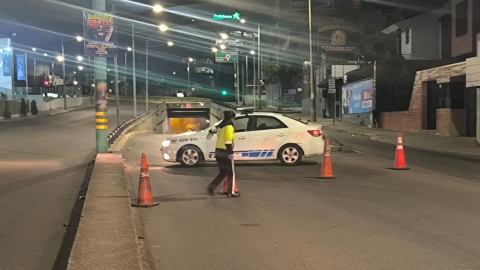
(6, 112)
(34, 108)
(23, 108)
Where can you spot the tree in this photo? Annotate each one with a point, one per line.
(283, 73)
(34, 108)
(6, 112)
(23, 108)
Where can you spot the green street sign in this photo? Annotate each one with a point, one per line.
(226, 57)
(234, 16)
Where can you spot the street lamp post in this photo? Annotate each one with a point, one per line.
(170, 44)
(312, 86)
(188, 71)
(64, 89)
(134, 73)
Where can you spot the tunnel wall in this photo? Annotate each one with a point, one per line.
(217, 109)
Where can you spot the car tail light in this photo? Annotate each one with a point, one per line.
(315, 133)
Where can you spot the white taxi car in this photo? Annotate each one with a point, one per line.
(258, 137)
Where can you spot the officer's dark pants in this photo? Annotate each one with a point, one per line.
(225, 166)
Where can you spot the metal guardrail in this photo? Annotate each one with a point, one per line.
(116, 133)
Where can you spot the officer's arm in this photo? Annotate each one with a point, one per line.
(229, 137)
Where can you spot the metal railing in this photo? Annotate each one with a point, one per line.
(117, 132)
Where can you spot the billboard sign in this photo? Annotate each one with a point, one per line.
(357, 97)
(99, 34)
(226, 57)
(21, 72)
(6, 64)
(338, 38)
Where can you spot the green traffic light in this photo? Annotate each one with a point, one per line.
(224, 93)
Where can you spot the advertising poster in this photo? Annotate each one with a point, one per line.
(6, 65)
(21, 67)
(357, 97)
(99, 34)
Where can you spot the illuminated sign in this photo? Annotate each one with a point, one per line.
(220, 17)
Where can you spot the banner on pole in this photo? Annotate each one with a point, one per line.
(21, 69)
(99, 34)
(6, 52)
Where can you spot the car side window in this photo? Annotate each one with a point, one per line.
(267, 123)
(241, 124)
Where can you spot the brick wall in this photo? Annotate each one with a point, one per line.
(444, 117)
(416, 117)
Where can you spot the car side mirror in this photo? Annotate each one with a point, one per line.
(213, 130)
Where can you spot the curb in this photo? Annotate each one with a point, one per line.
(446, 153)
(125, 139)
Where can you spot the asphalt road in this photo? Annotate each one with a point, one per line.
(43, 162)
(369, 217)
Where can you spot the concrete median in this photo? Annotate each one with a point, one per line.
(106, 237)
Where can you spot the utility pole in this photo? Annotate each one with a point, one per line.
(100, 71)
(146, 75)
(259, 70)
(134, 75)
(312, 86)
(64, 78)
(246, 79)
(237, 78)
(254, 83)
(117, 94)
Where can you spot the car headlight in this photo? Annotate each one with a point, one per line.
(166, 143)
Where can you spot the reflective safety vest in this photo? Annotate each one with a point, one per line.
(225, 135)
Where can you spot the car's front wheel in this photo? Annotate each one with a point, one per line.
(290, 155)
(190, 156)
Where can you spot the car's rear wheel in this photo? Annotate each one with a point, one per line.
(190, 156)
(290, 155)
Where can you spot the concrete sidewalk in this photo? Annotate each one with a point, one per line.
(465, 147)
(16, 117)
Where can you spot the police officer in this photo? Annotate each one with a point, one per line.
(224, 154)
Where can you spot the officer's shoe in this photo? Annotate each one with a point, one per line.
(234, 195)
(210, 191)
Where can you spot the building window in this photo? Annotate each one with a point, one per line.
(407, 36)
(462, 19)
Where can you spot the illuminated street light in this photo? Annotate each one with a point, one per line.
(80, 67)
(79, 38)
(75, 82)
(60, 58)
(174, 73)
(157, 8)
(80, 58)
(223, 47)
(170, 44)
(223, 36)
(252, 52)
(214, 49)
(34, 49)
(243, 21)
(45, 54)
(129, 49)
(163, 27)
(108, 70)
(190, 59)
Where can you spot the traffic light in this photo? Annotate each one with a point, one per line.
(46, 83)
(224, 92)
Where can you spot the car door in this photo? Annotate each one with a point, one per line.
(240, 145)
(266, 137)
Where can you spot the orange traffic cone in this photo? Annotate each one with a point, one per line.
(400, 155)
(326, 171)
(145, 198)
(225, 186)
